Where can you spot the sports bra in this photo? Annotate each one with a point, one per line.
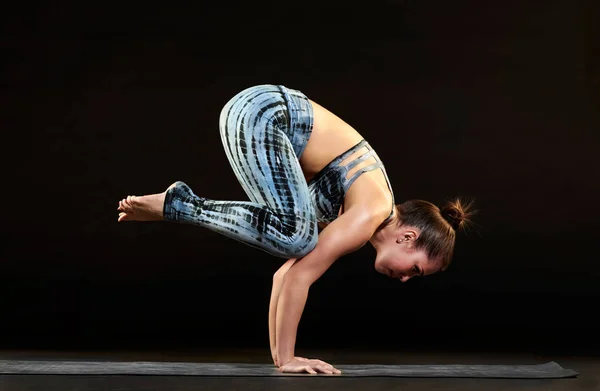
(328, 188)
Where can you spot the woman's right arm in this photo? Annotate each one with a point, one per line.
(277, 283)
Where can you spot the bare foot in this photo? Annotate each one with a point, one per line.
(144, 208)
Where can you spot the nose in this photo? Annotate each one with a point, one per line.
(404, 278)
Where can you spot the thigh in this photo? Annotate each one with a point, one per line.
(253, 130)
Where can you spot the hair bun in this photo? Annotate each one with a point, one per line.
(456, 213)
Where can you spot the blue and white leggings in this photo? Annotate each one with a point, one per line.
(264, 130)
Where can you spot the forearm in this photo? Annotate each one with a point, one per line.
(292, 299)
(275, 291)
(277, 282)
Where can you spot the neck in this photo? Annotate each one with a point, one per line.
(385, 232)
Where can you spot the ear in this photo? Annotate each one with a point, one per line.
(407, 235)
(411, 235)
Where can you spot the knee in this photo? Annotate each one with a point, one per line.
(239, 100)
(301, 248)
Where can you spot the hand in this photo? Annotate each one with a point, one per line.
(301, 365)
(276, 360)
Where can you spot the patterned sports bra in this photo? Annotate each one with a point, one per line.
(328, 188)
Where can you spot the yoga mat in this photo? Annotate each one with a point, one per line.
(550, 370)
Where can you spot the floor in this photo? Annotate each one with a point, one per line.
(587, 366)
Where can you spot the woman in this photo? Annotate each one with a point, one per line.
(303, 168)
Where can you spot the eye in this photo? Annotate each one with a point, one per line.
(416, 270)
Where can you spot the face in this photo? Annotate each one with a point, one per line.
(402, 261)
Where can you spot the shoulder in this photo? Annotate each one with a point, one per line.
(351, 230)
(371, 193)
(374, 205)
(346, 234)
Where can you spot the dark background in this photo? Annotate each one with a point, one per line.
(495, 101)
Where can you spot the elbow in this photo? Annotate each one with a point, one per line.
(296, 280)
(278, 276)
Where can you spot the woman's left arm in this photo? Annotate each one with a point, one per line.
(346, 234)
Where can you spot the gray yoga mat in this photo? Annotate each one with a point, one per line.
(550, 370)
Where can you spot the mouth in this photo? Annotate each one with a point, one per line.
(391, 274)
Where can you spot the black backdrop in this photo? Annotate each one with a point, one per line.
(496, 101)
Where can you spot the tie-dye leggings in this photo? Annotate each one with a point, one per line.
(264, 130)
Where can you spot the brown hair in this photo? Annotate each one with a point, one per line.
(438, 226)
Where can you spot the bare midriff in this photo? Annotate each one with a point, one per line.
(330, 137)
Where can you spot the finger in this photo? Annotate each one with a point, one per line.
(325, 369)
(287, 369)
(332, 368)
(324, 363)
(310, 370)
(129, 201)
